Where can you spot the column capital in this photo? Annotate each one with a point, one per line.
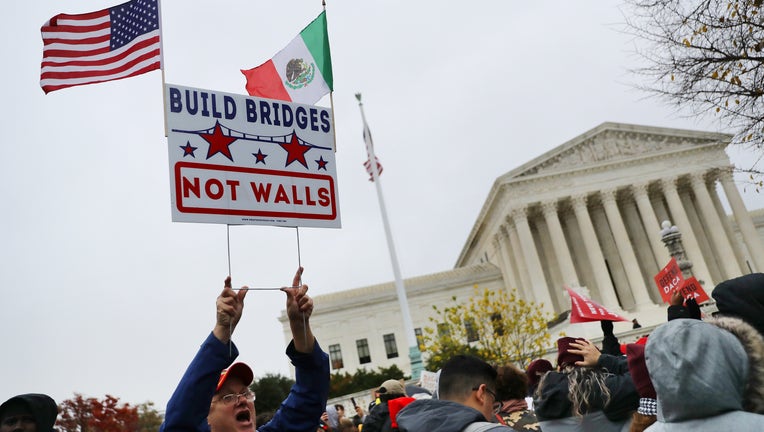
(726, 173)
(519, 214)
(608, 195)
(640, 188)
(509, 222)
(579, 200)
(549, 208)
(669, 182)
(698, 178)
(503, 231)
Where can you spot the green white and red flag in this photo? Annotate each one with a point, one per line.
(301, 72)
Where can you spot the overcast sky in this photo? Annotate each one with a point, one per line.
(103, 294)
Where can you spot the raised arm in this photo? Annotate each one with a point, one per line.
(299, 307)
(189, 405)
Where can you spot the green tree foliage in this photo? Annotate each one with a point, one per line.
(707, 56)
(149, 419)
(495, 325)
(345, 383)
(271, 390)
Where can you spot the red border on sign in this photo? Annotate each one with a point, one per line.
(235, 212)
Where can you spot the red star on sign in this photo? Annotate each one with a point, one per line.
(295, 151)
(218, 142)
(321, 163)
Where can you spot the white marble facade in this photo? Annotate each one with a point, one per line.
(585, 214)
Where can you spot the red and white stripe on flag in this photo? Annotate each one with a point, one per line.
(368, 167)
(114, 43)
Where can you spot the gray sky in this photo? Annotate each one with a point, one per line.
(103, 294)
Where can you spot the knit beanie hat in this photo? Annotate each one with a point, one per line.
(742, 297)
(635, 355)
(564, 356)
(536, 369)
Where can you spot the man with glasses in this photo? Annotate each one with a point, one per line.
(208, 400)
(467, 400)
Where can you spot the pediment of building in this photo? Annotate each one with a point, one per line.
(613, 143)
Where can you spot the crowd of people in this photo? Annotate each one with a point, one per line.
(693, 373)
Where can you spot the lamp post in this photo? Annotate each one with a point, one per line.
(672, 238)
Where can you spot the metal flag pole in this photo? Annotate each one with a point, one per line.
(414, 354)
(161, 65)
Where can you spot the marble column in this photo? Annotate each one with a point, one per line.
(652, 226)
(560, 245)
(738, 247)
(625, 250)
(501, 242)
(533, 263)
(713, 222)
(744, 222)
(593, 251)
(524, 288)
(680, 219)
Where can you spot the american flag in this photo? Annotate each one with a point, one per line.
(114, 43)
(369, 168)
(370, 144)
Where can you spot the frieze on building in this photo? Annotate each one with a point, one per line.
(612, 145)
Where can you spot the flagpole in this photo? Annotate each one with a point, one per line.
(415, 356)
(161, 65)
(331, 92)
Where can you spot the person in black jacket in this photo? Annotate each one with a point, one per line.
(32, 412)
(589, 391)
(378, 419)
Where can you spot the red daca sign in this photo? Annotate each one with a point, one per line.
(692, 289)
(669, 279)
(584, 310)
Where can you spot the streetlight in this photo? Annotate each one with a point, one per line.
(672, 238)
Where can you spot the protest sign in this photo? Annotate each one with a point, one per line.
(669, 279)
(583, 309)
(237, 159)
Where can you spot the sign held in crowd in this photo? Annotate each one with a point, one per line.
(583, 309)
(237, 159)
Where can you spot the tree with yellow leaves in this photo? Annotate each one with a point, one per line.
(495, 325)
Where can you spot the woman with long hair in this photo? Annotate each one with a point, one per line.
(589, 391)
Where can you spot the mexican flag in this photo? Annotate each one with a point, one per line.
(301, 72)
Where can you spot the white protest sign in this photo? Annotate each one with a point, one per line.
(429, 380)
(237, 159)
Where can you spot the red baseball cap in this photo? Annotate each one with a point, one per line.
(238, 370)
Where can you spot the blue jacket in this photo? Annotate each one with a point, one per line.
(300, 412)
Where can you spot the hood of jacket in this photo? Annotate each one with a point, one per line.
(42, 407)
(742, 297)
(698, 370)
(753, 343)
(437, 415)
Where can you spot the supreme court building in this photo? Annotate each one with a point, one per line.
(586, 214)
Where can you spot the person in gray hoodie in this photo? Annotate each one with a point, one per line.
(467, 392)
(700, 372)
